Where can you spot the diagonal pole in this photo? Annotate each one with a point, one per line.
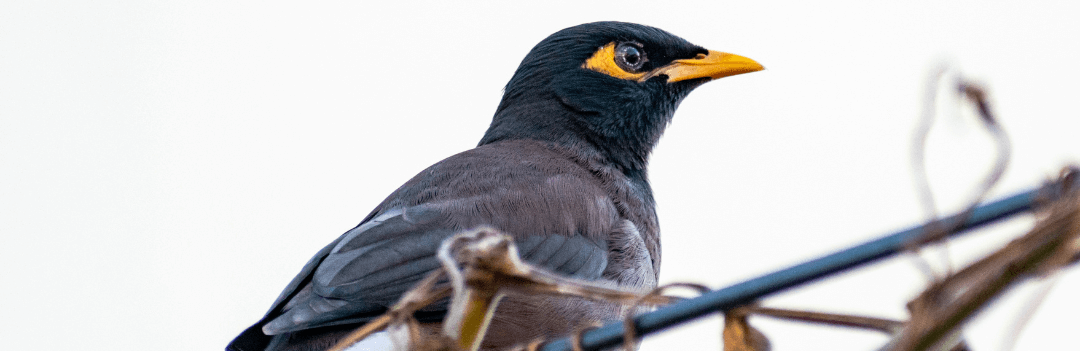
(754, 289)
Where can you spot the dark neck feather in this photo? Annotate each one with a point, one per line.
(626, 145)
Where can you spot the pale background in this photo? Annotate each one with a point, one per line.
(167, 167)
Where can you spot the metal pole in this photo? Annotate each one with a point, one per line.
(754, 289)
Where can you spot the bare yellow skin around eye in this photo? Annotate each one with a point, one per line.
(715, 65)
(603, 61)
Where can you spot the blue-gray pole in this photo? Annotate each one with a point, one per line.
(754, 289)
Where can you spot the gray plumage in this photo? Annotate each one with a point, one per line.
(574, 216)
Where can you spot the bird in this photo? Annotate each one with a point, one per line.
(561, 169)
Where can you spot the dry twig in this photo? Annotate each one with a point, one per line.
(938, 312)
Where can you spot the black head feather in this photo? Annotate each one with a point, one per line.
(552, 97)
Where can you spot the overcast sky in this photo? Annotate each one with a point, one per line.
(167, 167)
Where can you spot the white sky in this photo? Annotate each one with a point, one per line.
(167, 167)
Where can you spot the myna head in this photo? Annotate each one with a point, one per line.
(607, 86)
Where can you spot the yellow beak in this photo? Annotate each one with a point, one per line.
(715, 65)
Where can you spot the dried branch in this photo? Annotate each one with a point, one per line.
(943, 307)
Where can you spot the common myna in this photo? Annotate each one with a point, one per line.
(562, 169)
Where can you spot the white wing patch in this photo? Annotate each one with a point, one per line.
(629, 263)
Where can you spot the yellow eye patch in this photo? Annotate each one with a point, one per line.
(603, 61)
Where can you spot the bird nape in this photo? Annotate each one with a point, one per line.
(562, 169)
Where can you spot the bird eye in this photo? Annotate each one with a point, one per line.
(630, 57)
